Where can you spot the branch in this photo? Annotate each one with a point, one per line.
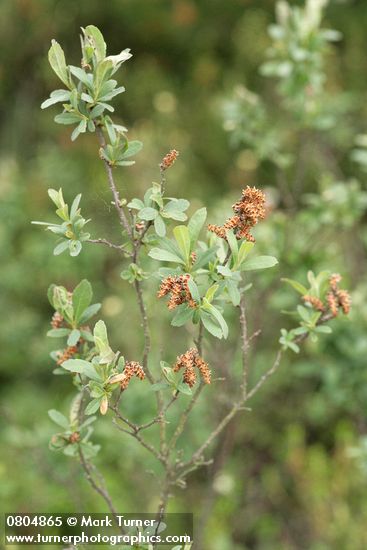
(197, 457)
(120, 211)
(265, 376)
(135, 433)
(185, 416)
(144, 318)
(244, 346)
(101, 490)
(120, 248)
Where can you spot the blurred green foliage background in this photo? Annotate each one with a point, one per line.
(289, 474)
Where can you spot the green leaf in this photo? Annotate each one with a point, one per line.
(217, 315)
(296, 285)
(233, 292)
(102, 344)
(84, 77)
(210, 293)
(304, 313)
(173, 214)
(75, 409)
(294, 347)
(81, 128)
(196, 224)
(159, 226)
(75, 247)
(103, 72)
(133, 148)
(120, 58)
(174, 209)
(325, 329)
(243, 252)
(210, 326)
(168, 372)
(311, 278)
(100, 334)
(184, 388)
(194, 290)
(136, 204)
(204, 258)
(58, 332)
(165, 256)
(95, 36)
(82, 297)
(82, 367)
(92, 406)
(148, 213)
(56, 96)
(224, 270)
(61, 247)
(73, 337)
(182, 315)
(67, 118)
(233, 245)
(75, 206)
(57, 61)
(89, 312)
(59, 419)
(182, 237)
(260, 262)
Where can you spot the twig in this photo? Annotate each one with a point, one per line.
(98, 488)
(265, 376)
(244, 346)
(120, 248)
(144, 318)
(185, 415)
(115, 193)
(142, 441)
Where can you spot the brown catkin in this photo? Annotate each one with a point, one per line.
(66, 354)
(57, 320)
(169, 159)
(336, 297)
(178, 288)
(315, 302)
(334, 280)
(132, 368)
(247, 213)
(332, 302)
(188, 361)
(74, 437)
(344, 300)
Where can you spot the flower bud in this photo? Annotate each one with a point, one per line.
(104, 405)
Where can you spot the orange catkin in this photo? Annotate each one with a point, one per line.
(178, 288)
(169, 159)
(188, 361)
(247, 213)
(316, 303)
(57, 320)
(336, 297)
(132, 368)
(66, 354)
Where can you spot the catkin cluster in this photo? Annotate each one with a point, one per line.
(66, 354)
(178, 288)
(335, 298)
(189, 361)
(247, 212)
(57, 320)
(69, 352)
(132, 368)
(169, 159)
